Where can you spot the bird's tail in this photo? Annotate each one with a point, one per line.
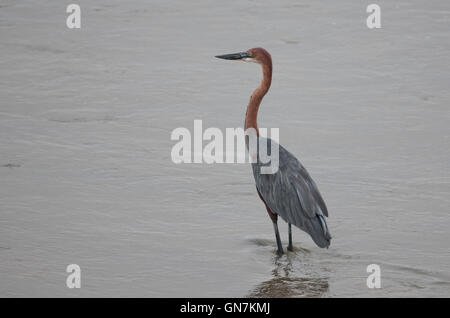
(320, 233)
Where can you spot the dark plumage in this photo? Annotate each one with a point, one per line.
(292, 194)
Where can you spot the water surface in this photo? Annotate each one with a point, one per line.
(85, 167)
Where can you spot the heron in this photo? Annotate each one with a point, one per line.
(290, 193)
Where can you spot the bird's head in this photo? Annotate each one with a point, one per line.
(257, 55)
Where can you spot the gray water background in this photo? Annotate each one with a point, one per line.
(87, 178)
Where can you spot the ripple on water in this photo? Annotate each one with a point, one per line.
(291, 275)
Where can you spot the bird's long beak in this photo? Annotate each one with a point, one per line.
(234, 56)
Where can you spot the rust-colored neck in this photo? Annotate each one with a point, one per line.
(251, 118)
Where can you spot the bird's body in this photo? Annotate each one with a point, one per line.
(293, 195)
(290, 192)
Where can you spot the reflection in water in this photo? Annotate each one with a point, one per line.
(285, 284)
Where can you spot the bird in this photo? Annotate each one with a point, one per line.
(290, 192)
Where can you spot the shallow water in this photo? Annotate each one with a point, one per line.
(85, 167)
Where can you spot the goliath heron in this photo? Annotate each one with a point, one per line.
(290, 192)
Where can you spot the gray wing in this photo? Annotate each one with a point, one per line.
(293, 195)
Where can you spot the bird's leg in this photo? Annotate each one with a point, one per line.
(274, 218)
(277, 236)
(290, 247)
